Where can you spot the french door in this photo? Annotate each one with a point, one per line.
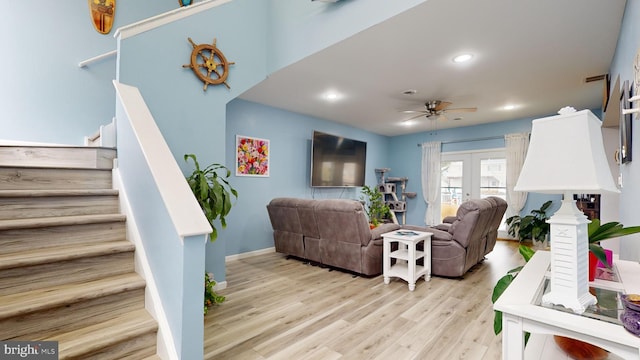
(471, 175)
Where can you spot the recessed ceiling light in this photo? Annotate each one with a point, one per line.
(462, 58)
(332, 96)
(408, 123)
(458, 118)
(410, 92)
(509, 107)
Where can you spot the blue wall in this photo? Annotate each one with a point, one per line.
(628, 45)
(289, 134)
(44, 95)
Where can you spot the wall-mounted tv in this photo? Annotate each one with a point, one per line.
(337, 161)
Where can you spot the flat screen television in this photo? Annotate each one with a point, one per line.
(337, 161)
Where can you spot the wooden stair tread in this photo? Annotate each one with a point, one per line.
(62, 253)
(95, 337)
(30, 223)
(59, 295)
(57, 193)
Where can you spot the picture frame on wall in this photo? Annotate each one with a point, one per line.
(626, 123)
(252, 156)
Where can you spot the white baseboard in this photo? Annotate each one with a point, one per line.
(220, 286)
(250, 254)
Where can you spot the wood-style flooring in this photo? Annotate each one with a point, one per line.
(279, 308)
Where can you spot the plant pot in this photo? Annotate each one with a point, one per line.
(593, 264)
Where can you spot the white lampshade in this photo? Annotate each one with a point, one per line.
(566, 155)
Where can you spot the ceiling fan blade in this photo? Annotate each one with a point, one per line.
(462, 110)
(417, 116)
(414, 111)
(442, 105)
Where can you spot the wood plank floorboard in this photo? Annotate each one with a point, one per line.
(284, 308)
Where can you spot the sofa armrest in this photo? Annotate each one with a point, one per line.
(440, 235)
(449, 219)
(377, 232)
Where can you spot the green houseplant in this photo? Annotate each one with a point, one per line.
(376, 208)
(533, 226)
(213, 192)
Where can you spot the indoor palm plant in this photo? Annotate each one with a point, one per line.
(376, 208)
(533, 226)
(213, 192)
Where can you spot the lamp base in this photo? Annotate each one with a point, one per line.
(577, 304)
(569, 258)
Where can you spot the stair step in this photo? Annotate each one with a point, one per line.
(61, 295)
(97, 341)
(13, 224)
(46, 311)
(16, 239)
(75, 270)
(17, 204)
(30, 178)
(54, 193)
(57, 254)
(57, 156)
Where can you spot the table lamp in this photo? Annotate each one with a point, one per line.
(566, 156)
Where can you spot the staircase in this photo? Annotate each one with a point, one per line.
(66, 267)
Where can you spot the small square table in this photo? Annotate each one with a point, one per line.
(407, 269)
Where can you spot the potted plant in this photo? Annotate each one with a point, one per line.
(606, 231)
(533, 226)
(375, 207)
(213, 192)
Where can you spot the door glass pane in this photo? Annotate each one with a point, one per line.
(450, 187)
(493, 180)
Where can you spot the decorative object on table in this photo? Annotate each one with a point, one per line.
(626, 124)
(252, 156)
(569, 147)
(631, 316)
(209, 64)
(102, 14)
(533, 226)
(185, 2)
(376, 209)
(580, 350)
(213, 192)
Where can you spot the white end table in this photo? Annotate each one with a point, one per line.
(407, 270)
(520, 314)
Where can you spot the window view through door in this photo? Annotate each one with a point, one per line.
(473, 175)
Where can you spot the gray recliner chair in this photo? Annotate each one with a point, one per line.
(462, 241)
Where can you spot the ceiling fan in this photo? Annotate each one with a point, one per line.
(435, 109)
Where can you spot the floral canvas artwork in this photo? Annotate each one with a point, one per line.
(252, 156)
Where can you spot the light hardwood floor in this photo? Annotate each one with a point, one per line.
(279, 308)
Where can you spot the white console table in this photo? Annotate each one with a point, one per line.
(520, 314)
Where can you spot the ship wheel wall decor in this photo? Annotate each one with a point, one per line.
(209, 64)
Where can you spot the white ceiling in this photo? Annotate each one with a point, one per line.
(534, 54)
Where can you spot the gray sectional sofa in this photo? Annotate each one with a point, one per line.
(332, 232)
(336, 233)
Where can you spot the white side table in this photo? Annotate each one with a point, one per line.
(407, 269)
